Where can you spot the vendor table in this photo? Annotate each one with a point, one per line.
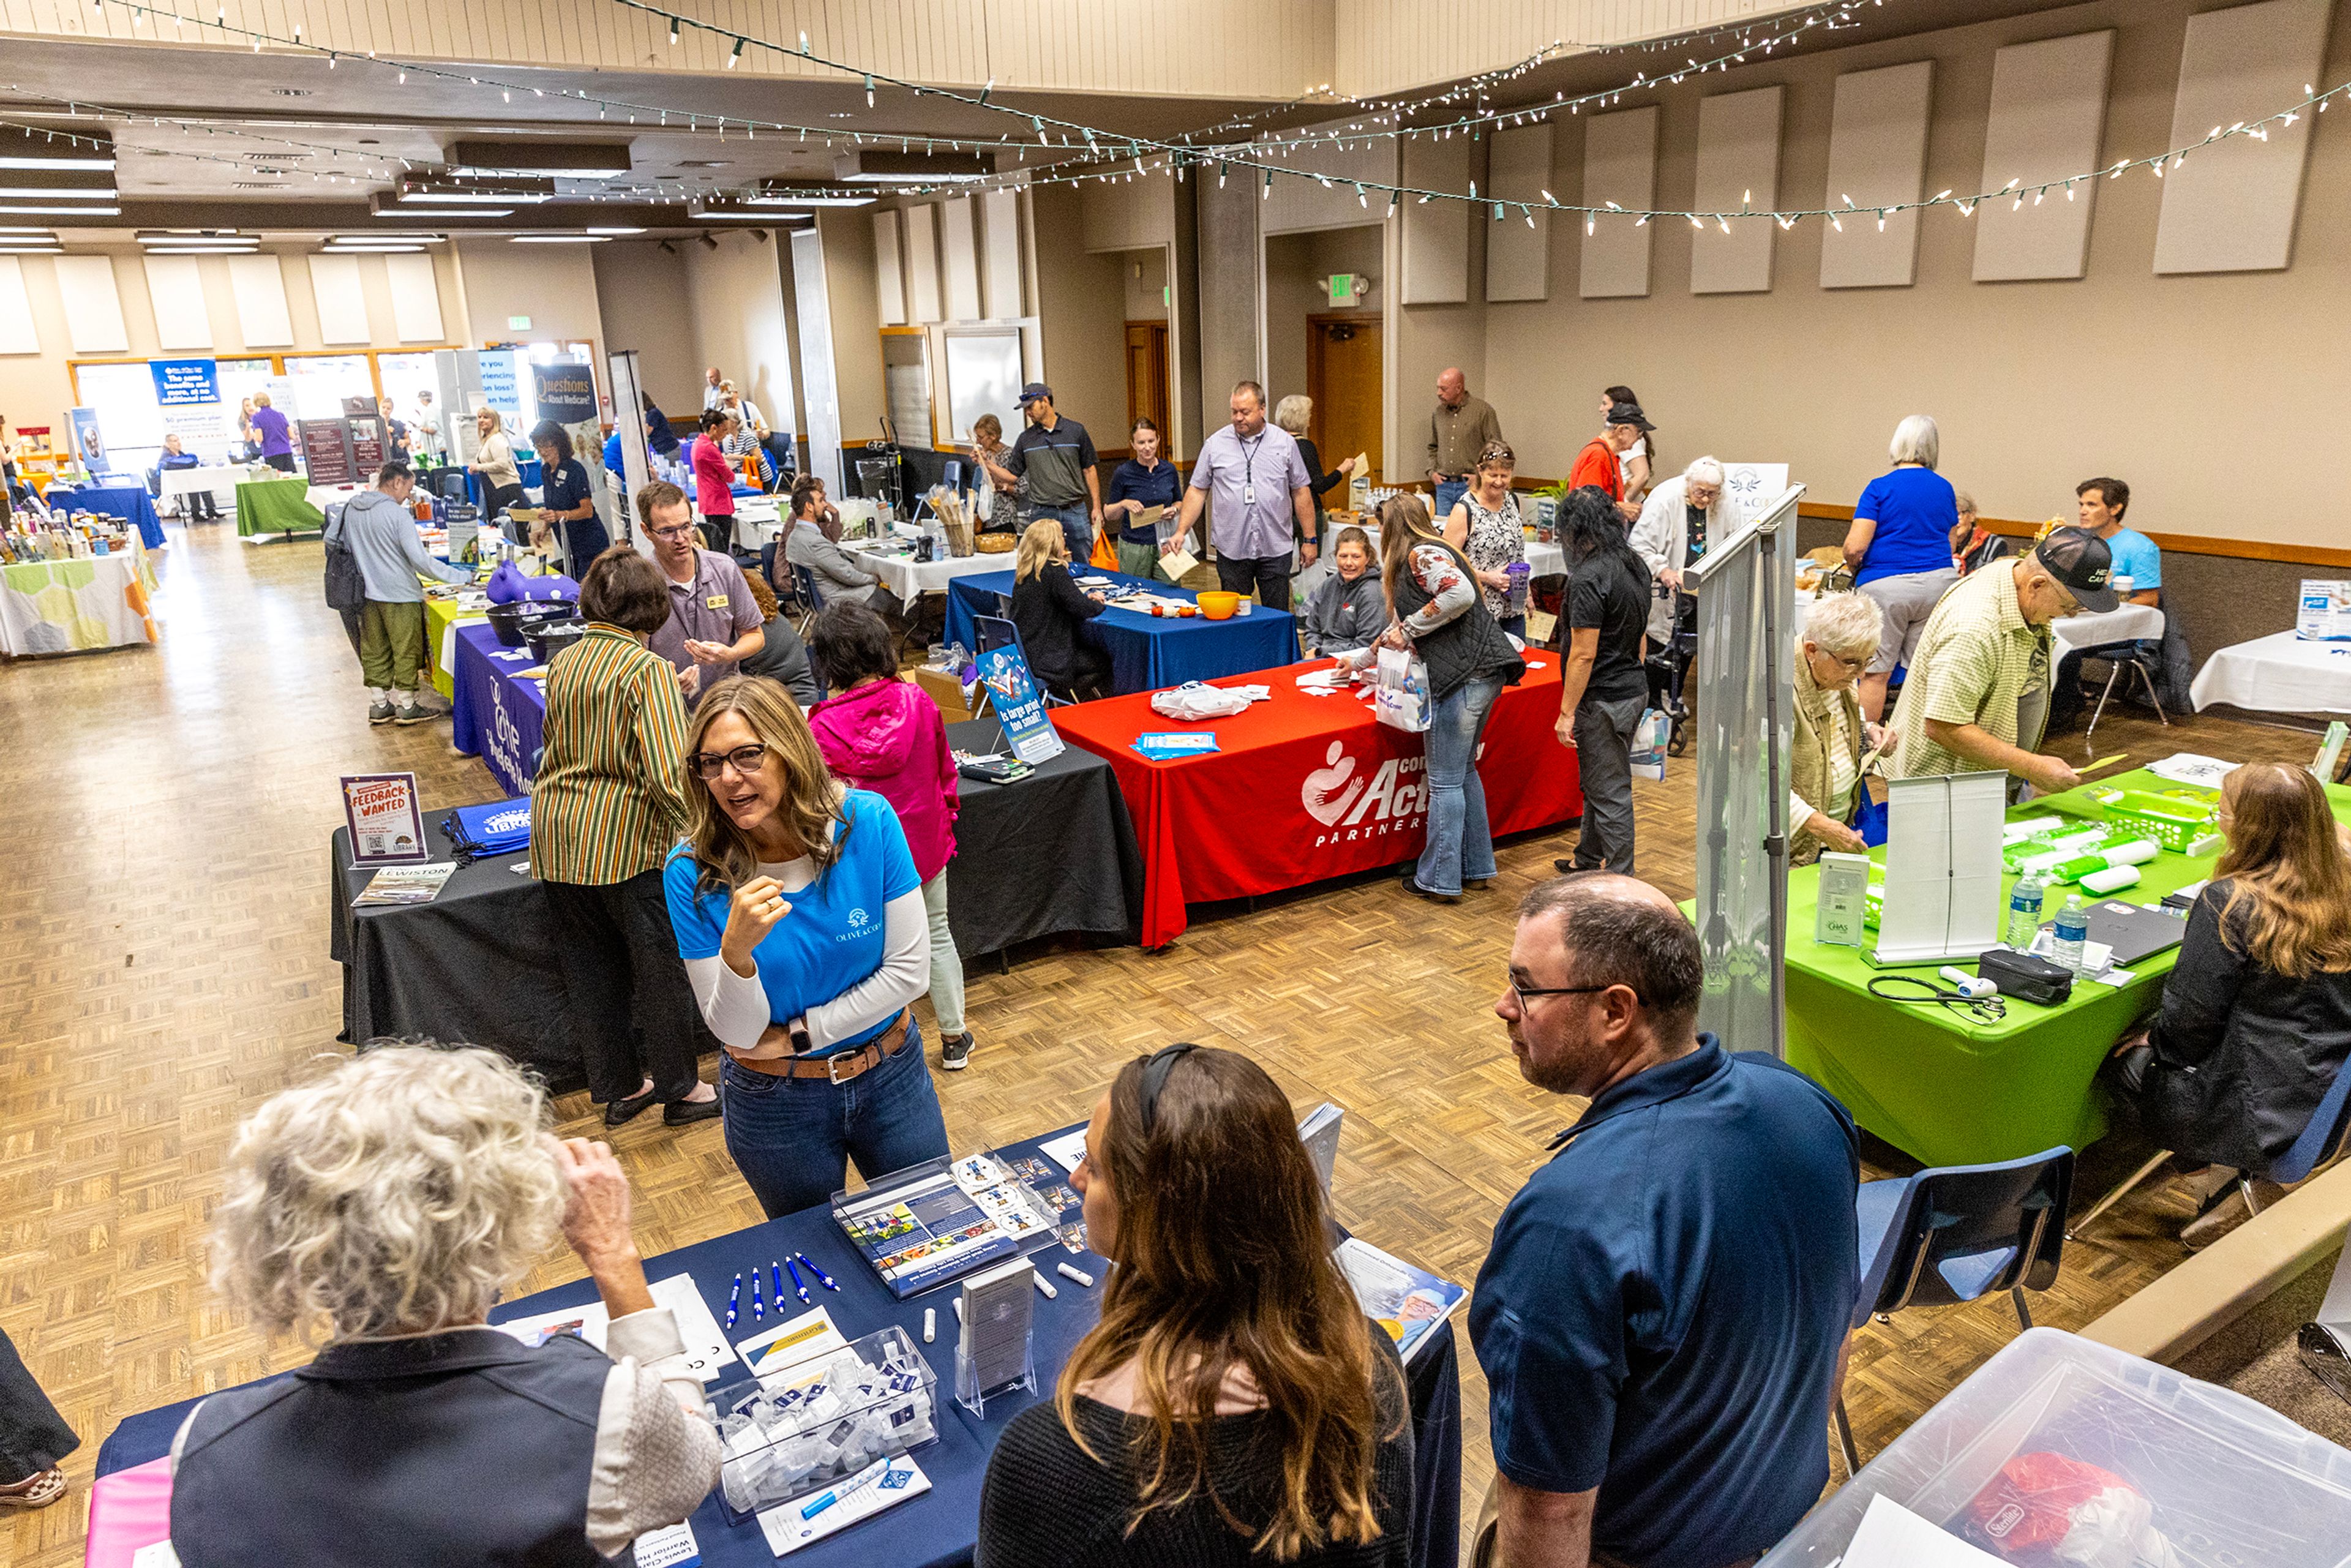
(940, 1527)
(494, 713)
(71, 606)
(129, 502)
(2070, 634)
(910, 579)
(1147, 652)
(441, 616)
(1545, 557)
(277, 508)
(1950, 1091)
(215, 482)
(2278, 673)
(1305, 788)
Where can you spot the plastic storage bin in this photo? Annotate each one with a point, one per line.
(2227, 1482)
(823, 1418)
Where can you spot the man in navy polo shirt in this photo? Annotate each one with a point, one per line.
(1663, 1317)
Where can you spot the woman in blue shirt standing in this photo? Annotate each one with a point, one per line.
(1143, 480)
(1899, 549)
(799, 915)
(568, 497)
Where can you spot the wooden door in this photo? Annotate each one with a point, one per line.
(1146, 378)
(1344, 374)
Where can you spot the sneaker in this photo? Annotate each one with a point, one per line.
(410, 714)
(955, 1052)
(380, 713)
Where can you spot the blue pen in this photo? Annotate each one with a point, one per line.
(734, 1298)
(799, 1288)
(758, 1312)
(776, 1284)
(822, 1278)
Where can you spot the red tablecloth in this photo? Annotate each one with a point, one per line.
(1304, 788)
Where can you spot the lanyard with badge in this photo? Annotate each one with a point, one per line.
(1248, 470)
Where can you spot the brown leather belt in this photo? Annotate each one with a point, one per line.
(841, 1067)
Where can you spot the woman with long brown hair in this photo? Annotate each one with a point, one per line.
(1233, 1405)
(799, 915)
(2256, 1017)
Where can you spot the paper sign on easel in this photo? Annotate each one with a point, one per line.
(1942, 868)
(1019, 705)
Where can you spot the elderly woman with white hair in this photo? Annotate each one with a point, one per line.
(1681, 517)
(383, 1209)
(1899, 549)
(1295, 413)
(1838, 640)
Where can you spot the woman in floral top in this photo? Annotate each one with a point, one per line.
(1486, 526)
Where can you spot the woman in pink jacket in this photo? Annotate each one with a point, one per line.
(884, 735)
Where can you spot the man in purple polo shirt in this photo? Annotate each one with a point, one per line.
(713, 624)
(1250, 473)
(277, 436)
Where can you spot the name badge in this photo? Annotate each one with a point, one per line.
(716, 601)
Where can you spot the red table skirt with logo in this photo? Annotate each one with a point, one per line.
(1303, 788)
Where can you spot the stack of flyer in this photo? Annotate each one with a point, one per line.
(933, 1223)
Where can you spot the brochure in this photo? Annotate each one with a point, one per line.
(1407, 1302)
(705, 1347)
(881, 1484)
(920, 1229)
(405, 884)
(387, 826)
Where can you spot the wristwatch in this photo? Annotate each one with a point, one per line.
(798, 1031)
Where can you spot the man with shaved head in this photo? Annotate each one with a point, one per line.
(1457, 432)
(1663, 1316)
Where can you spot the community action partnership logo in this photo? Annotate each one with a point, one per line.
(1351, 806)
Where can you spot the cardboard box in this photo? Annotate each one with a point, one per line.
(946, 691)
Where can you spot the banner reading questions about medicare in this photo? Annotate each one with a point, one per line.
(566, 391)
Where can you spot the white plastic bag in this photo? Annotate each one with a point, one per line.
(1195, 700)
(1649, 738)
(1400, 696)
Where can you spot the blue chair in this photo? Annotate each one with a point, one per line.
(951, 474)
(999, 631)
(1952, 1234)
(2321, 1142)
(804, 588)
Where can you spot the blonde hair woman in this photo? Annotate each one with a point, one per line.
(1052, 612)
(501, 481)
(1295, 413)
(799, 915)
(1839, 639)
(381, 1209)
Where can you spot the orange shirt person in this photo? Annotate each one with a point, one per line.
(1598, 463)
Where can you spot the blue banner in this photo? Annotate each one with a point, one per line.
(180, 383)
(1020, 705)
(567, 392)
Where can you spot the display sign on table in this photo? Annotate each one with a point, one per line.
(2325, 610)
(88, 442)
(364, 421)
(184, 382)
(326, 452)
(501, 373)
(1020, 705)
(1748, 487)
(386, 824)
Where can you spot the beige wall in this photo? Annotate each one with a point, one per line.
(642, 294)
(737, 296)
(1145, 273)
(1297, 268)
(554, 284)
(1384, 46)
(1081, 306)
(856, 311)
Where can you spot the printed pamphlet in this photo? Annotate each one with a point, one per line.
(387, 826)
(1407, 1302)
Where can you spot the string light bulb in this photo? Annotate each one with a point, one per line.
(735, 55)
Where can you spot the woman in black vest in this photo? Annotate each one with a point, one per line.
(1433, 594)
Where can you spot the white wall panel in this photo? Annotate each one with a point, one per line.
(2232, 206)
(1877, 157)
(888, 270)
(923, 264)
(260, 290)
(415, 298)
(961, 251)
(342, 302)
(17, 335)
(1737, 170)
(1620, 165)
(1517, 258)
(176, 290)
(93, 310)
(2048, 120)
(1436, 239)
(999, 215)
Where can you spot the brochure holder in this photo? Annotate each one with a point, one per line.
(996, 1347)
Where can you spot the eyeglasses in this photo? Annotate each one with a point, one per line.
(679, 532)
(1524, 993)
(746, 760)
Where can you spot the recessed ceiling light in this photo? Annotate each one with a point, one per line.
(412, 213)
(616, 231)
(82, 212)
(840, 114)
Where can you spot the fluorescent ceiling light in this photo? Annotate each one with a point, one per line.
(31, 250)
(449, 213)
(62, 193)
(371, 249)
(555, 239)
(197, 236)
(616, 231)
(61, 212)
(43, 233)
(57, 162)
(438, 198)
(910, 179)
(203, 250)
(808, 200)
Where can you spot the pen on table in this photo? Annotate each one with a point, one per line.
(734, 1300)
(776, 1284)
(800, 1288)
(821, 1277)
(758, 1312)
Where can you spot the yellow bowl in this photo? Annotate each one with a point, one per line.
(1220, 606)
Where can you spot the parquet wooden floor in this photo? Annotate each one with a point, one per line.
(164, 968)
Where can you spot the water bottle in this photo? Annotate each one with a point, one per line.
(1514, 598)
(2068, 932)
(2024, 910)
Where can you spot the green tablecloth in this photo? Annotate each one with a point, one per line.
(440, 616)
(1951, 1092)
(277, 507)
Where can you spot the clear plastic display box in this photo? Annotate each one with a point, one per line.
(818, 1421)
(2022, 1461)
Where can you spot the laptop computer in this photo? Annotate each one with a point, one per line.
(2133, 931)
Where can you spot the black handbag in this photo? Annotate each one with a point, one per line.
(346, 588)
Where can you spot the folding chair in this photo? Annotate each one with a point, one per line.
(2320, 1143)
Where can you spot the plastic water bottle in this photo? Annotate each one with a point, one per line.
(1514, 600)
(2024, 910)
(2068, 932)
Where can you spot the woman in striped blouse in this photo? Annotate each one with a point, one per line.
(607, 805)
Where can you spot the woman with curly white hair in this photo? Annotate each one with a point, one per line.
(1840, 637)
(379, 1211)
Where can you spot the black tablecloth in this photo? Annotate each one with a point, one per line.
(1053, 852)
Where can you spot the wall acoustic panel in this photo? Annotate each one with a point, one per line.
(1737, 170)
(1517, 258)
(415, 298)
(260, 290)
(1620, 165)
(923, 263)
(962, 256)
(1296, 204)
(999, 221)
(176, 290)
(888, 270)
(2048, 120)
(2232, 206)
(342, 302)
(93, 310)
(1435, 240)
(1877, 156)
(17, 335)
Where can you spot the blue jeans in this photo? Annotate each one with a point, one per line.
(791, 1138)
(1460, 845)
(1448, 492)
(1076, 521)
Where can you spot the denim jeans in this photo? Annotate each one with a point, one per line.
(1604, 758)
(947, 964)
(791, 1138)
(1460, 845)
(1076, 521)
(1448, 492)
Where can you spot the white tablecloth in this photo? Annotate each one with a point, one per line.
(70, 606)
(907, 578)
(2277, 674)
(185, 481)
(2124, 624)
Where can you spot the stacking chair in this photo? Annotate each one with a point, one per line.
(2321, 1143)
(804, 590)
(1952, 1234)
(2121, 656)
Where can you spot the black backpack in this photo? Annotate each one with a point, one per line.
(346, 588)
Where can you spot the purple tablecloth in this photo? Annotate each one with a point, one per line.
(494, 716)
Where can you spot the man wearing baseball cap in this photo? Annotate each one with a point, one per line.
(1977, 699)
(1058, 457)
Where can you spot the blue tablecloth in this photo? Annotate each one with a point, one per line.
(1147, 651)
(129, 502)
(494, 716)
(940, 1528)
(527, 468)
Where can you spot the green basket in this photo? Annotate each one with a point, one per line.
(2171, 823)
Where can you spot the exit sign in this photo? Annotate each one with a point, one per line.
(518, 323)
(1342, 290)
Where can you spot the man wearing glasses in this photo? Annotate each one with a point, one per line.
(713, 624)
(1663, 1316)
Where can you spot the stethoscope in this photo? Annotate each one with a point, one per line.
(1982, 1009)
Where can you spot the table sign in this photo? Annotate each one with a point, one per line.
(1020, 705)
(386, 824)
(2325, 610)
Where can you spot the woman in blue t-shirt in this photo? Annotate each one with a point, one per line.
(1899, 550)
(799, 915)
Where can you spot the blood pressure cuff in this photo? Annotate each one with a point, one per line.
(2025, 976)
